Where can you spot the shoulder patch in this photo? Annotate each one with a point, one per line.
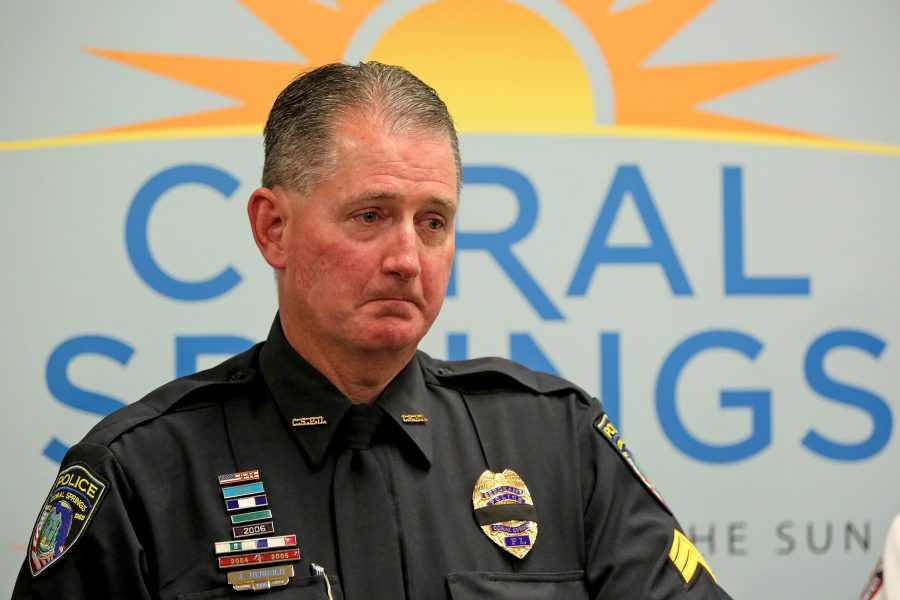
(66, 514)
(609, 432)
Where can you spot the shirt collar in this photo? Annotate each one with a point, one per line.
(312, 408)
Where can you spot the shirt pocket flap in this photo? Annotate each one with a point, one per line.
(517, 586)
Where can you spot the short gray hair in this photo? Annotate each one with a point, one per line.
(299, 132)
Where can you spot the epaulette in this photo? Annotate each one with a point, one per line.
(493, 374)
(237, 370)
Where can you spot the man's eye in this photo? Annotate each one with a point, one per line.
(369, 217)
(434, 224)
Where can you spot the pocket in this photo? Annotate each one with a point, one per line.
(517, 586)
(303, 588)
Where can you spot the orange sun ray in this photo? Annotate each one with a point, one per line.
(318, 32)
(253, 83)
(668, 96)
(679, 89)
(648, 100)
(656, 21)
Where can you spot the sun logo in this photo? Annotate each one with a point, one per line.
(500, 65)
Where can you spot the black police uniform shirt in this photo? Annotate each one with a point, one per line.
(151, 506)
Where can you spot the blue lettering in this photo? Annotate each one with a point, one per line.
(610, 387)
(628, 180)
(67, 393)
(457, 346)
(736, 282)
(523, 349)
(138, 246)
(499, 244)
(758, 401)
(877, 409)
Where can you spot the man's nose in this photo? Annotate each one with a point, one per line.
(401, 256)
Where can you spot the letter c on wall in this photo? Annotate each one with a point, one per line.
(138, 245)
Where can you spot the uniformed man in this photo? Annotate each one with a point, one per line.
(334, 460)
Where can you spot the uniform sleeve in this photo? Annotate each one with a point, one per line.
(85, 543)
(635, 547)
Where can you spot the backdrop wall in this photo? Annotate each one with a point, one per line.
(687, 207)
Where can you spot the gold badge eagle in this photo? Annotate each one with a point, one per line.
(505, 511)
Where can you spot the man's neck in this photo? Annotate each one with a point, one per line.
(360, 376)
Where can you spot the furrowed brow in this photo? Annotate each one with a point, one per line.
(376, 195)
(371, 195)
(447, 204)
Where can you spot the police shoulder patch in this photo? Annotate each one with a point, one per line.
(609, 432)
(65, 515)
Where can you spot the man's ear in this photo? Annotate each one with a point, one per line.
(267, 211)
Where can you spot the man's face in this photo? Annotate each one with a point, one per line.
(369, 250)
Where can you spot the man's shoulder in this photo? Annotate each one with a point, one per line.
(493, 374)
(184, 393)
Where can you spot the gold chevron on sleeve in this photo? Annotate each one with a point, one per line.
(685, 556)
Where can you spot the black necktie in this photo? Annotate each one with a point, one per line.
(366, 521)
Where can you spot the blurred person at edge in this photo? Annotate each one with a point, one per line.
(884, 583)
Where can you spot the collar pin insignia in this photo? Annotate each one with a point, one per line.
(416, 419)
(308, 421)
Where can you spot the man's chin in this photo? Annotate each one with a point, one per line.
(393, 309)
(391, 335)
